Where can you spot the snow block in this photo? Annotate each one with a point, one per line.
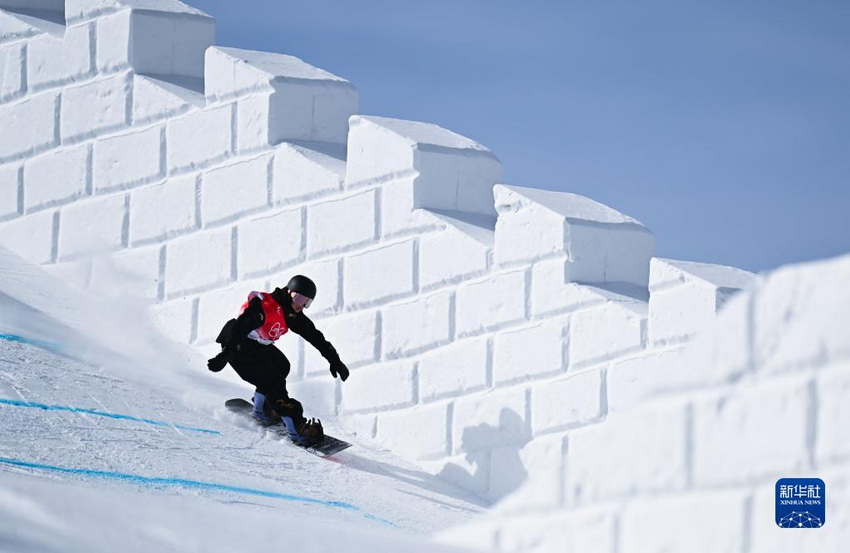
(530, 352)
(96, 107)
(87, 9)
(606, 332)
(757, 432)
(450, 172)
(327, 274)
(634, 379)
(543, 463)
(33, 121)
(163, 210)
(129, 159)
(79, 10)
(198, 261)
(416, 325)
(552, 292)
(457, 369)
(306, 170)
(296, 101)
(11, 187)
(269, 242)
(355, 337)
(56, 177)
(596, 453)
(91, 226)
(566, 402)
(318, 396)
(31, 237)
(800, 318)
(363, 426)
(341, 224)
(833, 417)
(53, 60)
(198, 138)
(490, 303)
(723, 352)
(113, 42)
(602, 245)
(164, 43)
(14, 28)
(155, 99)
(685, 297)
(704, 521)
(379, 274)
(421, 432)
(236, 189)
(507, 471)
(12, 75)
(251, 128)
(458, 252)
(490, 420)
(398, 216)
(156, 42)
(380, 387)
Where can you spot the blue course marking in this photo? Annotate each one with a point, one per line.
(183, 483)
(50, 346)
(44, 407)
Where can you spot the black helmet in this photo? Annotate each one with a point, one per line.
(302, 285)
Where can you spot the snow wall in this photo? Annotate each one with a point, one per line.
(762, 394)
(487, 326)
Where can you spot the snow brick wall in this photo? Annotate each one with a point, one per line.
(483, 322)
(760, 395)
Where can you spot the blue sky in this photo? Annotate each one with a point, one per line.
(723, 126)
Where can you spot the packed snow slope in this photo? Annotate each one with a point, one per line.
(113, 439)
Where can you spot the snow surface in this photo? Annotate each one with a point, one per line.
(425, 135)
(114, 453)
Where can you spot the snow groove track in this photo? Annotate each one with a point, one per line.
(196, 484)
(95, 412)
(111, 429)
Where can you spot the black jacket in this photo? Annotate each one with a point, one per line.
(253, 318)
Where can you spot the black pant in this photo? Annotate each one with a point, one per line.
(266, 367)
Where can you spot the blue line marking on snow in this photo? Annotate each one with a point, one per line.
(50, 346)
(196, 484)
(95, 412)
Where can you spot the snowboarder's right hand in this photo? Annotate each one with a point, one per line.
(338, 367)
(217, 363)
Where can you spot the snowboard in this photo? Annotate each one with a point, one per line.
(328, 445)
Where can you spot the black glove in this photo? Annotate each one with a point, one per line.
(217, 363)
(338, 367)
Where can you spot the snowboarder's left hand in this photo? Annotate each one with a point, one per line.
(338, 367)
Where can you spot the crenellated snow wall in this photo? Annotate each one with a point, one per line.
(761, 394)
(482, 322)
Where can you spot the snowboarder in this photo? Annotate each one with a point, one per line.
(247, 343)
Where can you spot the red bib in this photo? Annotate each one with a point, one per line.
(274, 325)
